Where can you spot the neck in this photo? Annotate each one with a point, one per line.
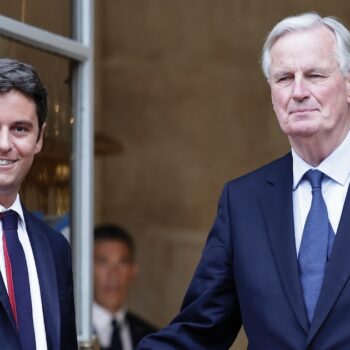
(7, 200)
(314, 150)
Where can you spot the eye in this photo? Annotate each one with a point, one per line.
(21, 129)
(284, 78)
(101, 261)
(315, 76)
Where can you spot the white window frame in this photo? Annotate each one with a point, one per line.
(81, 50)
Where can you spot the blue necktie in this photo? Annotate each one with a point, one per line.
(23, 307)
(316, 244)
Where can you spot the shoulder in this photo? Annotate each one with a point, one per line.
(247, 188)
(139, 324)
(267, 172)
(37, 225)
(42, 236)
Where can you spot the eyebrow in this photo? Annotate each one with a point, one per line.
(23, 123)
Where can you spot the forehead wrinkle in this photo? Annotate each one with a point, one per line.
(288, 56)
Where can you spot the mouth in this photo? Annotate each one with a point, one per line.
(302, 110)
(4, 162)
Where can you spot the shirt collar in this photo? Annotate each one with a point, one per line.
(336, 165)
(103, 317)
(17, 207)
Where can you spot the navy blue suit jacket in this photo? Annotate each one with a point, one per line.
(53, 262)
(249, 274)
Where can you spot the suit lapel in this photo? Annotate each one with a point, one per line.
(277, 206)
(47, 279)
(5, 301)
(337, 271)
(135, 339)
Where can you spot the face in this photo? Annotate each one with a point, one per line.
(20, 140)
(114, 270)
(310, 95)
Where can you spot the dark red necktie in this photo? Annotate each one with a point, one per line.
(18, 280)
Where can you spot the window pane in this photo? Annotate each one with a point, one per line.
(47, 187)
(57, 18)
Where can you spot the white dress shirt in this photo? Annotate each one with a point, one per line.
(102, 324)
(38, 316)
(334, 187)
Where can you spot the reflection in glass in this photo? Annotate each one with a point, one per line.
(47, 186)
(57, 18)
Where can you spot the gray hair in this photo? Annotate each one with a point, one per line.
(306, 21)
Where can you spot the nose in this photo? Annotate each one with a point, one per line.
(5, 140)
(300, 91)
(114, 273)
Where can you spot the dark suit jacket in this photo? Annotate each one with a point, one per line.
(53, 262)
(249, 274)
(139, 328)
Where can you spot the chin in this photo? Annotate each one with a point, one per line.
(303, 134)
(302, 131)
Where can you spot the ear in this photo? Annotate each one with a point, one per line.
(39, 142)
(272, 100)
(347, 86)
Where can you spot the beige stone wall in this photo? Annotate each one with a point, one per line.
(180, 85)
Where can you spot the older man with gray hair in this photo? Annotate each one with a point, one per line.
(277, 258)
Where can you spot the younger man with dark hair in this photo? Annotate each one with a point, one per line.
(36, 284)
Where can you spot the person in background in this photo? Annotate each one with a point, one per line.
(114, 271)
(277, 258)
(36, 284)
